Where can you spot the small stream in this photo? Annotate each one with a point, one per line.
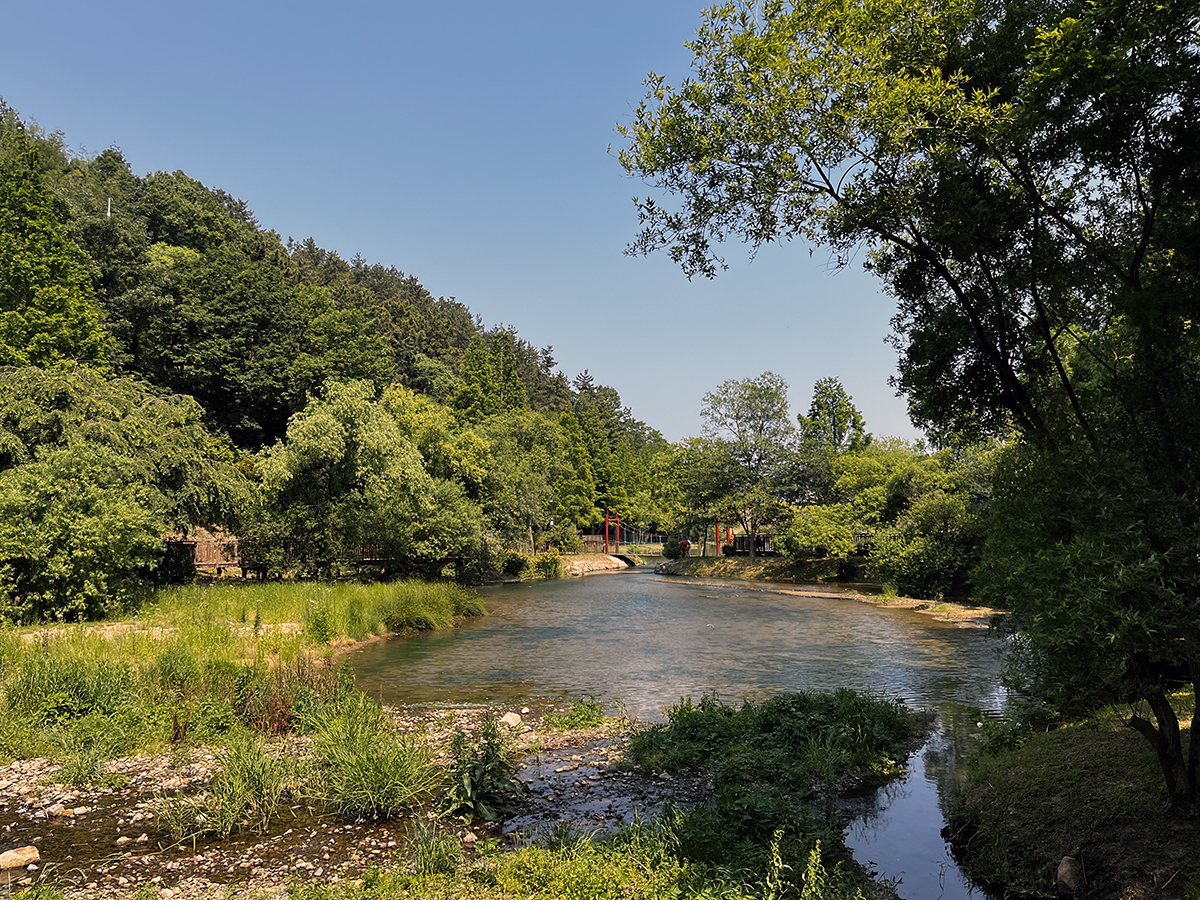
(644, 641)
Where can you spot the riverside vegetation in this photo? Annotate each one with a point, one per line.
(248, 674)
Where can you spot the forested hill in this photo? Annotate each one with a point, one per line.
(169, 290)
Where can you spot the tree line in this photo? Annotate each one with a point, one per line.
(168, 365)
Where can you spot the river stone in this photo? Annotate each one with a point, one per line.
(512, 720)
(1070, 877)
(19, 858)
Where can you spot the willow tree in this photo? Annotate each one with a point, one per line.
(1022, 176)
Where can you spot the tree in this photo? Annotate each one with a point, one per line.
(345, 479)
(833, 422)
(1022, 177)
(93, 472)
(749, 424)
(47, 312)
(490, 384)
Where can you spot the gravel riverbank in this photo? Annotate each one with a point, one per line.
(105, 841)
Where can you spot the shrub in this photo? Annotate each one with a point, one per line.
(798, 741)
(512, 563)
(481, 776)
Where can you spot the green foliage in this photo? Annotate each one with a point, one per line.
(547, 564)
(490, 383)
(1092, 789)
(833, 423)
(917, 515)
(368, 770)
(512, 563)
(284, 697)
(93, 471)
(56, 687)
(429, 852)
(481, 775)
(346, 481)
(794, 741)
(966, 167)
(586, 713)
(48, 315)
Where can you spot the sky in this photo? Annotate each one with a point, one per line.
(467, 144)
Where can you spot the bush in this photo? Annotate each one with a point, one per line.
(512, 563)
(798, 742)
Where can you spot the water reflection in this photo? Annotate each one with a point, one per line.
(646, 641)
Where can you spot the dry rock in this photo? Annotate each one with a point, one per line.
(19, 858)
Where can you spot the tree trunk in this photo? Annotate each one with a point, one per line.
(1179, 772)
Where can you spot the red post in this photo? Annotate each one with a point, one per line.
(612, 517)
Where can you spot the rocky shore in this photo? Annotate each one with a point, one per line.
(104, 840)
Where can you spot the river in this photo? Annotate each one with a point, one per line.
(644, 641)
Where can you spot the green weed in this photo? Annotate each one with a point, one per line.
(245, 792)
(481, 776)
(798, 742)
(430, 852)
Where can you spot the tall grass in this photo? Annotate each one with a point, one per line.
(196, 660)
(247, 788)
(368, 770)
(322, 612)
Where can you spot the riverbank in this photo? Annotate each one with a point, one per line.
(818, 578)
(110, 839)
(1091, 793)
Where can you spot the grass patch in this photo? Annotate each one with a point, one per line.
(245, 792)
(803, 742)
(586, 713)
(196, 661)
(644, 862)
(1092, 790)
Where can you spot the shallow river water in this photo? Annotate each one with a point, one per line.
(645, 641)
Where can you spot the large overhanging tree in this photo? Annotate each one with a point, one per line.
(1023, 177)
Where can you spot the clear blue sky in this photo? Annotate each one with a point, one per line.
(466, 144)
